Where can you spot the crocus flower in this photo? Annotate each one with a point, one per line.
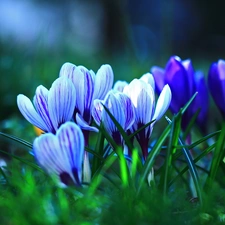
(89, 86)
(121, 107)
(216, 83)
(142, 96)
(51, 107)
(184, 83)
(61, 154)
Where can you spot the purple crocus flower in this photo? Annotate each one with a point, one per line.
(51, 107)
(89, 86)
(120, 107)
(62, 154)
(184, 83)
(141, 93)
(216, 83)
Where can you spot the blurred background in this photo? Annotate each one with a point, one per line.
(38, 36)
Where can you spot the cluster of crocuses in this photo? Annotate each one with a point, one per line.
(184, 82)
(65, 113)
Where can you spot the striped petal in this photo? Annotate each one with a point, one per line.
(103, 81)
(28, 111)
(143, 99)
(128, 109)
(61, 101)
(62, 154)
(114, 106)
(41, 105)
(85, 89)
(97, 111)
(67, 70)
(83, 124)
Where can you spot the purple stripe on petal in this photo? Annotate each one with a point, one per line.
(97, 111)
(28, 111)
(103, 82)
(67, 70)
(61, 101)
(41, 104)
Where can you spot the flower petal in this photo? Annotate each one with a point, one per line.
(61, 101)
(159, 76)
(28, 111)
(97, 111)
(71, 140)
(103, 81)
(201, 101)
(163, 102)
(119, 85)
(177, 78)
(41, 105)
(128, 109)
(62, 153)
(114, 106)
(83, 124)
(149, 79)
(216, 84)
(67, 70)
(143, 99)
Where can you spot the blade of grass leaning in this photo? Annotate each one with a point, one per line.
(193, 145)
(183, 110)
(151, 158)
(192, 168)
(117, 149)
(19, 140)
(190, 124)
(97, 178)
(99, 149)
(199, 157)
(218, 156)
(126, 138)
(193, 171)
(171, 149)
(140, 129)
(23, 160)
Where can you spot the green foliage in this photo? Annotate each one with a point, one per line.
(180, 182)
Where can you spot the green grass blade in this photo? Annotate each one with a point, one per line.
(199, 157)
(218, 156)
(191, 166)
(99, 149)
(19, 140)
(193, 171)
(22, 160)
(171, 149)
(190, 124)
(183, 110)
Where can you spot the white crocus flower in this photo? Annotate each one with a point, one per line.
(141, 93)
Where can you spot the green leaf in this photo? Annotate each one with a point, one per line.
(19, 140)
(199, 157)
(171, 149)
(218, 156)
